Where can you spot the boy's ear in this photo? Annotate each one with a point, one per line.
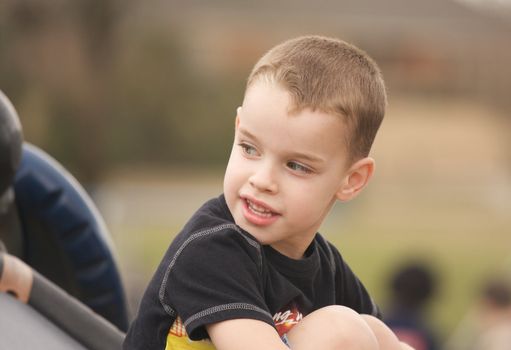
(357, 177)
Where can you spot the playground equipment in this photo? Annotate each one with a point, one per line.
(49, 225)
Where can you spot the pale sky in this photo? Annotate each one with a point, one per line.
(506, 3)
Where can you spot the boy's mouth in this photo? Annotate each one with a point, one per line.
(258, 213)
(258, 209)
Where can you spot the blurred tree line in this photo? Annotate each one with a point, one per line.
(104, 83)
(95, 93)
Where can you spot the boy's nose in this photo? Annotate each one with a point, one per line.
(263, 179)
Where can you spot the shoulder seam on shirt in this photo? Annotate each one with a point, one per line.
(219, 308)
(330, 255)
(168, 309)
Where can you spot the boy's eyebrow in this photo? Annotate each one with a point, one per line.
(308, 157)
(294, 154)
(247, 133)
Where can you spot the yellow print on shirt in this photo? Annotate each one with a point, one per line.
(177, 339)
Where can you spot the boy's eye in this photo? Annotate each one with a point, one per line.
(298, 167)
(248, 150)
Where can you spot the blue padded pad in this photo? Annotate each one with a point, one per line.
(65, 238)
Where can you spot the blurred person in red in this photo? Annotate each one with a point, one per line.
(412, 286)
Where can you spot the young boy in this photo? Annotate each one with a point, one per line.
(249, 270)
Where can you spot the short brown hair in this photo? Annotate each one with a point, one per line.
(331, 76)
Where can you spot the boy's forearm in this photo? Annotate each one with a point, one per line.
(245, 334)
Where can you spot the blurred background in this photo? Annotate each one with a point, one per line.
(137, 100)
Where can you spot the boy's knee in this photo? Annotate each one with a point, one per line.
(337, 326)
(351, 328)
(405, 346)
(387, 340)
(337, 314)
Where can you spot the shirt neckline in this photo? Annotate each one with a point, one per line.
(294, 267)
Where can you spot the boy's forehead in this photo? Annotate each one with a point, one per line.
(267, 114)
(267, 89)
(267, 96)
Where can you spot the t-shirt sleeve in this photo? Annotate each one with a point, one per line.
(349, 289)
(215, 275)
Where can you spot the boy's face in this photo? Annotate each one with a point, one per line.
(285, 170)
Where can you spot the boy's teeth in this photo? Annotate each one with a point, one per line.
(258, 209)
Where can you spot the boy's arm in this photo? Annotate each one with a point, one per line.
(244, 334)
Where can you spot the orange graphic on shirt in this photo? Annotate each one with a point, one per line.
(286, 318)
